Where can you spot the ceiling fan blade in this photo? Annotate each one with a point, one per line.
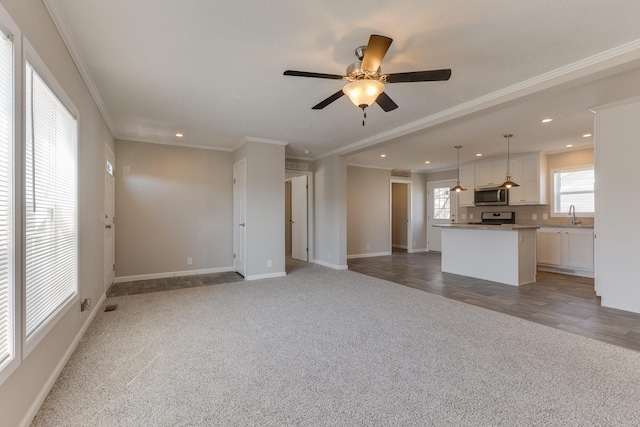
(376, 50)
(419, 76)
(316, 75)
(386, 103)
(328, 101)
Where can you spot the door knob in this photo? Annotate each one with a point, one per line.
(241, 225)
(107, 226)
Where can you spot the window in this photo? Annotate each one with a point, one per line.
(441, 203)
(7, 325)
(574, 187)
(50, 203)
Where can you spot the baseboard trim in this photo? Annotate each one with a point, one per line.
(265, 276)
(135, 278)
(420, 250)
(567, 270)
(37, 403)
(399, 246)
(368, 255)
(329, 265)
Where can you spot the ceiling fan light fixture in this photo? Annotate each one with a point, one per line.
(363, 92)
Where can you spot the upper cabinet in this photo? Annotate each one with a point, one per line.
(467, 180)
(490, 174)
(530, 172)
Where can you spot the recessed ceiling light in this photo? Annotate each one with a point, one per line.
(383, 155)
(479, 155)
(307, 152)
(569, 145)
(587, 135)
(547, 120)
(179, 135)
(427, 162)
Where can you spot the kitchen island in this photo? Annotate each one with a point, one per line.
(500, 253)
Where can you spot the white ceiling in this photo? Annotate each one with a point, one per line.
(212, 70)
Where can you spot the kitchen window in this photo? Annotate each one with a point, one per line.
(573, 187)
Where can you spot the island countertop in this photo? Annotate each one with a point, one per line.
(502, 227)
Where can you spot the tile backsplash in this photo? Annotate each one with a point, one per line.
(524, 215)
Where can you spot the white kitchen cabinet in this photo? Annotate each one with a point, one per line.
(530, 172)
(549, 249)
(490, 174)
(467, 180)
(566, 250)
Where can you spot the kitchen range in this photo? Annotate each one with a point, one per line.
(496, 249)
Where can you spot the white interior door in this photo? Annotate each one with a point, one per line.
(442, 209)
(109, 212)
(299, 221)
(239, 216)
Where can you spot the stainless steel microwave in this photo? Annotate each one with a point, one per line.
(491, 196)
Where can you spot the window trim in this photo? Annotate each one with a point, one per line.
(552, 186)
(41, 332)
(9, 27)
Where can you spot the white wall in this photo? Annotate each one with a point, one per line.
(172, 203)
(419, 215)
(617, 229)
(22, 393)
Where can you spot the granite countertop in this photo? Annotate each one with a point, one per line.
(478, 226)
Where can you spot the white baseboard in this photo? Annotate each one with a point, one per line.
(420, 250)
(399, 246)
(333, 266)
(122, 279)
(265, 276)
(368, 255)
(37, 403)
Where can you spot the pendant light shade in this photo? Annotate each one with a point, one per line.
(363, 92)
(458, 188)
(508, 183)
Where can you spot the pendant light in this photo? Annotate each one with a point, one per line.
(508, 183)
(458, 188)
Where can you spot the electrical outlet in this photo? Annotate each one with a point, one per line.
(269, 263)
(189, 261)
(368, 247)
(463, 216)
(470, 216)
(545, 216)
(329, 255)
(534, 216)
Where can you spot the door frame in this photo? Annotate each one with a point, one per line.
(453, 203)
(109, 222)
(310, 210)
(235, 225)
(409, 184)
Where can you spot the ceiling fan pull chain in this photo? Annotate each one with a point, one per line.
(364, 113)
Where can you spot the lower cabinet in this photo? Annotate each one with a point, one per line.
(565, 250)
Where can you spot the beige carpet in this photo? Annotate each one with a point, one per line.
(322, 347)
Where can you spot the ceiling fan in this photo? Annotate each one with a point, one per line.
(365, 82)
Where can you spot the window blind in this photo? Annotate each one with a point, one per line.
(6, 202)
(50, 202)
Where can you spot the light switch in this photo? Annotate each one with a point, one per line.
(534, 216)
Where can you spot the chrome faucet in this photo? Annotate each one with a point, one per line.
(572, 212)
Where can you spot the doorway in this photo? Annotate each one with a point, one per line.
(440, 210)
(297, 217)
(109, 212)
(400, 215)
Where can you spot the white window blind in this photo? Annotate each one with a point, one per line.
(6, 200)
(50, 202)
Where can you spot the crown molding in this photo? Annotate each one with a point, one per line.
(69, 40)
(172, 144)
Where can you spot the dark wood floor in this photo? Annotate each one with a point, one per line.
(557, 300)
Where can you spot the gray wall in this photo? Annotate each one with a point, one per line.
(399, 214)
(20, 393)
(367, 210)
(265, 208)
(172, 203)
(330, 226)
(419, 215)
